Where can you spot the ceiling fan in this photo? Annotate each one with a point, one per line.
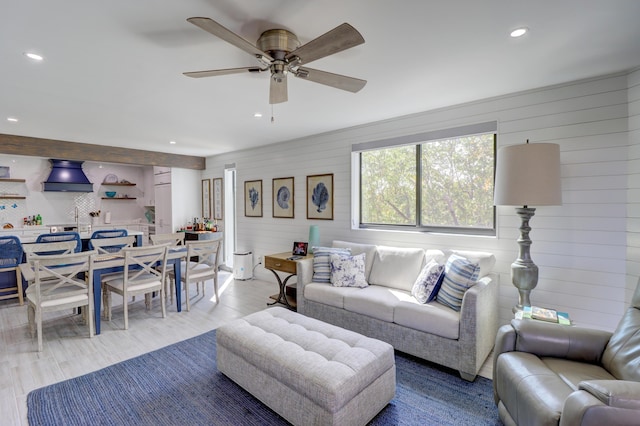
(279, 52)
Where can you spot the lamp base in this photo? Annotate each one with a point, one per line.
(524, 273)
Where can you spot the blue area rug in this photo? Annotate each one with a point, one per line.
(180, 385)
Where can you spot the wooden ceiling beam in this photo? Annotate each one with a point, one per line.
(51, 148)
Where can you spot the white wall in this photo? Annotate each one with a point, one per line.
(580, 247)
(633, 180)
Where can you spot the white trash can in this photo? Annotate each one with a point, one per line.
(243, 265)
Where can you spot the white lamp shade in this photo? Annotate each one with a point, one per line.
(528, 175)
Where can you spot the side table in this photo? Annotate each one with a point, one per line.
(280, 262)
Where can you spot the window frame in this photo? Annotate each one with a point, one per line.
(417, 140)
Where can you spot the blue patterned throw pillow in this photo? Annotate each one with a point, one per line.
(348, 271)
(322, 262)
(428, 282)
(460, 275)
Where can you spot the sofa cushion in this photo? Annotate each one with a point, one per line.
(460, 274)
(375, 301)
(322, 262)
(433, 318)
(327, 294)
(348, 271)
(427, 285)
(368, 249)
(396, 267)
(485, 260)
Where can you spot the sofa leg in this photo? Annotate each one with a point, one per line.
(467, 376)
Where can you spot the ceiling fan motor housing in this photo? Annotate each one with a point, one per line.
(278, 43)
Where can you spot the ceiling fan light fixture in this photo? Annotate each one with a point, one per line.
(519, 32)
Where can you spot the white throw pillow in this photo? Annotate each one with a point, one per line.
(396, 267)
(348, 271)
(428, 282)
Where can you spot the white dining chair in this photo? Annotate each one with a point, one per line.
(139, 276)
(175, 239)
(59, 285)
(201, 264)
(49, 248)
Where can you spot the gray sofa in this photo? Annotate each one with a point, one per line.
(550, 374)
(387, 311)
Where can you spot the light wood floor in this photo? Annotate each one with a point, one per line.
(69, 352)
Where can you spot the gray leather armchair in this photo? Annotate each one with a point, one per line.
(550, 374)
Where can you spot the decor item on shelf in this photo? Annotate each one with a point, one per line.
(314, 237)
(110, 178)
(320, 196)
(527, 174)
(110, 194)
(283, 200)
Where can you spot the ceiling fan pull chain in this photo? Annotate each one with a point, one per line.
(272, 119)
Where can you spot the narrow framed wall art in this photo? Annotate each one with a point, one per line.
(253, 198)
(283, 199)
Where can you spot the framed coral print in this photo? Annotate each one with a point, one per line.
(206, 198)
(253, 198)
(320, 197)
(283, 197)
(217, 198)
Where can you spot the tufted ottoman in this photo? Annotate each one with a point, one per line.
(308, 371)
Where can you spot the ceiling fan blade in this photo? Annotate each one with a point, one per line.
(278, 90)
(211, 26)
(340, 38)
(212, 73)
(338, 81)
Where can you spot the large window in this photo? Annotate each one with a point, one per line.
(442, 184)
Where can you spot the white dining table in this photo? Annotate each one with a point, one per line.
(109, 263)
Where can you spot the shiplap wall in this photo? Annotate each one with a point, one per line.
(581, 247)
(633, 196)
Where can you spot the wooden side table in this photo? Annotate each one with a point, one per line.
(280, 262)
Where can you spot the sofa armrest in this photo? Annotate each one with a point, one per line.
(304, 275)
(560, 341)
(478, 324)
(603, 402)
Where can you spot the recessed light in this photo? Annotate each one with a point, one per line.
(33, 56)
(12, 119)
(519, 32)
(257, 115)
(172, 142)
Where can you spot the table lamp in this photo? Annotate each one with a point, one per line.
(314, 237)
(527, 174)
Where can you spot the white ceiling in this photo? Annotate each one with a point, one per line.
(112, 73)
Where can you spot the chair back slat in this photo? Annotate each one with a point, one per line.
(175, 239)
(61, 273)
(61, 236)
(49, 249)
(107, 233)
(112, 245)
(145, 264)
(10, 252)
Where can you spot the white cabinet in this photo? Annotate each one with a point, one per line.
(164, 217)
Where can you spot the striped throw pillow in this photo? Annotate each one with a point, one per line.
(322, 262)
(460, 275)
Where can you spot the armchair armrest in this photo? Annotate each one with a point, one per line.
(603, 402)
(614, 393)
(554, 340)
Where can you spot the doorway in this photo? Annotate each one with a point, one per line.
(229, 215)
